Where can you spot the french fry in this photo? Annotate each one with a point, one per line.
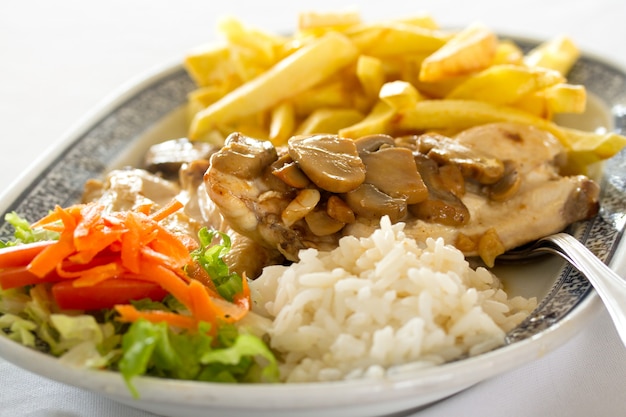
(472, 49)
(282, 123)
(602, 145)
(560, 98)
(423, 20)
(334, 93)
(254, 126)
(396, 38)
(329, 120)
(261, 44)
(588, 148)
(338, 74)
(311, 21)
(507, 52)
(585, 147)
(505, 84)
(371, 75)
(566, 98)
(376, 121)
(209, 65)
(303, 69)
(400, 95)
(461, 114)
(202, 97)
(559, 53)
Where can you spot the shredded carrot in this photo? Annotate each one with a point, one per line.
(55, 216)
(198, 273)
(244, 299)
(95, 246)
(129, 244)
(47, 260)
(170, 208)
(144, 208)
(21, 255)
(128, 313)
(229, 312)
(94, 275)
(201, 304)
(167, 279)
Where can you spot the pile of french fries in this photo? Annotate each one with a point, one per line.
(338, 74)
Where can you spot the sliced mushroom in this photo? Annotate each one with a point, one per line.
(244, 157)
(393, 171)
(167, 157)
(452, 179)
(303, 204)
(441, 206)
(508, 185)
(372, 143)
(583, 200)
(289, 172)
(369, 202)
(191, 174)
(331, 162)
(339, 210)
(321, 224)
(477, 166)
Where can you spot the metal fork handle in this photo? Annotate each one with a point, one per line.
(610, 287)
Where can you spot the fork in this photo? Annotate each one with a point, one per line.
(610, 287)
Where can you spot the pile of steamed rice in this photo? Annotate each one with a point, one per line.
(379, 304)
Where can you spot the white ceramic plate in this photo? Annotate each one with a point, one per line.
(151, 110)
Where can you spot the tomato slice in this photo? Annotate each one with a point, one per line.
(21, 255)
(105, 294)
(20, 276)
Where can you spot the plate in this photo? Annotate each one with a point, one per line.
(152, 110)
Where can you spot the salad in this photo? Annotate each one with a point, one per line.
(118, 291)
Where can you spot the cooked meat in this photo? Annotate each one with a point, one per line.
(128, 189)
(168, 157)
(489, 189)
(133, 188)
(252, 200)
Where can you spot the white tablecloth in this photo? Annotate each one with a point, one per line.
(59, 59)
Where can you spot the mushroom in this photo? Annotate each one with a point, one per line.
(339, 210)
(303, 204)
(393, 171)
(372, 143)
(191, 174)
(508, 185)
(289, 172)
(475, 165)
(369, 202)
(168, 157)
(452, 179)
(321, 224)
(441, 206)
(331, 162)
(583, 200)
(244, 157)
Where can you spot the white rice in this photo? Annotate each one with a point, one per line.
(378, 303)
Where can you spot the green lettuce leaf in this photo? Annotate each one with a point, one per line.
(156, 350)
(209, 256)
(24, 233)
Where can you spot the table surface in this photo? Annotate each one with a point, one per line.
(61, 59)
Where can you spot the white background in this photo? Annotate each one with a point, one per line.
(60, 59)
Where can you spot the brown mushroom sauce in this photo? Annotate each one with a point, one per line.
(336, 181)
(422, 176)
